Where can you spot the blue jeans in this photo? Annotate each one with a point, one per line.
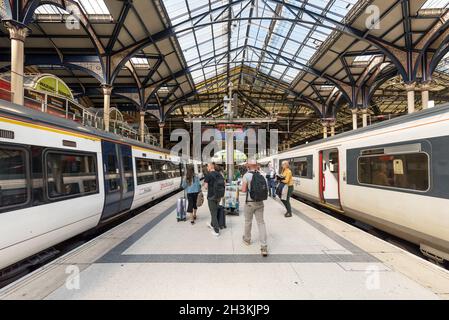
(272, 187)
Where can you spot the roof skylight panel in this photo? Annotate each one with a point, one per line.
(200, 6)
(177, 10)
(50, 10)
(140, 62)
(94, 6)
(279, 68)
(435, 4)
(362, 60)
(443, 66)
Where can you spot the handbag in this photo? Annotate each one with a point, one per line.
(279, 189)
(200, 199)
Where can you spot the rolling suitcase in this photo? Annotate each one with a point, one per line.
(181, 207)
(221, 216)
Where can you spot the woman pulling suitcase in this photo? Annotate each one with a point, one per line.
(193, 187)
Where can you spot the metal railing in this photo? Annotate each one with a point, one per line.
(63, 107)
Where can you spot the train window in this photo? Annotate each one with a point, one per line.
(300, 167)
(158, 170)
(333, 162)
(70, 174)
(404, 171)
(173, 170)
(112, 175)
(145, 171)
(128, 172)
(13, 177)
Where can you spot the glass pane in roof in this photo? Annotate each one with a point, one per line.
(140, 62)
(50, 9)
(94, 6)
(443, 66)
(90, 7)
(435, 4)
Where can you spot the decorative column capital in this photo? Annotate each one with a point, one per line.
(142, 113)
(425, 86)
(107, 89)
(328, 122)
(364, 111)
(410, 86)
(17, 31)
(161, 124)
(354, 111)
(325, 123)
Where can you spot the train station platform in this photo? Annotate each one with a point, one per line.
(311, 256)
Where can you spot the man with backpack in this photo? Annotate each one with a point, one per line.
(256, 188)
(214, 182)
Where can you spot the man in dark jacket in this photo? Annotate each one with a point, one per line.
(209, 181)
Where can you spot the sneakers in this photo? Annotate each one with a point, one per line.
(288, 215)
(247, 242)
(214, 231)
(264, 251)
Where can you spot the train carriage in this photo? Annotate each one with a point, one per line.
(393, 175)
(59, 179)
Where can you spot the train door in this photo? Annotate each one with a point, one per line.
(118, 178)
(329, 178)
(127, 177)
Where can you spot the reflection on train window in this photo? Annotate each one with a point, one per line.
(149, 170)
(333, 162)
(13, 177)
(145, 171)
(406, 171)
(70, 175)
(300, 167)
(173, 170)
(158, 168)
(112, 174)
(128, 171)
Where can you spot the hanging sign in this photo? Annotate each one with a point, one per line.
(52, 84)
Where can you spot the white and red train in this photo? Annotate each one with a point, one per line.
(393, 175)
(59, 179)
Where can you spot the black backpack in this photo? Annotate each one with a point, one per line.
(258, 189)
(219, 187)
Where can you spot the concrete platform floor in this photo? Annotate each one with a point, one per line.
(312, 256)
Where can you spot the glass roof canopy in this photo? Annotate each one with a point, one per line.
(261, 34)
(90, 7)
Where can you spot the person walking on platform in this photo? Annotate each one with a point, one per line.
(193, 187)
(256, 188)
(288, 181)
(271, 178)
(214, 182)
